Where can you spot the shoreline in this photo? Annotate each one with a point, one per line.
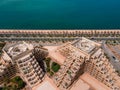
(58, 29)
(17, 31)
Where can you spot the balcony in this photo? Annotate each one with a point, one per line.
(35, 65)
(38, 69)
(35, 81)
(31, 83)
(30, 79)
(20, 62)
(41, 75)
(21, 65)
(116, 88)
(68, 77)
(28, 75)
(73, 75)
(31, 74)
(64, 85)
(33, 62)
(74, 70)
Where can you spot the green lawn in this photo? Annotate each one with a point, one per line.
(55, 67)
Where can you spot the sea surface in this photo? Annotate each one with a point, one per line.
(59, 14)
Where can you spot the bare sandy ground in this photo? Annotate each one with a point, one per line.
(80, 85)
(95, 84)
(47, 84)
(85, 82)
(57, 57)
(115, 50)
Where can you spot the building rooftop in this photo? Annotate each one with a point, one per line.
(17, 49)
(85, 45)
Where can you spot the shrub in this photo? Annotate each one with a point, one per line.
(20, 83)
(48, 69)
(47, 61)
(51, 73)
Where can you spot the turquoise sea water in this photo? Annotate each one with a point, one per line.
(59, 14)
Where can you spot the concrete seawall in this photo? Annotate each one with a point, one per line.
(5, 31)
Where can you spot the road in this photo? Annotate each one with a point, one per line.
(115, 63)
(53, 38)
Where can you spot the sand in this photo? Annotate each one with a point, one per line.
(47, 84)
(56, 56)
(94, 83)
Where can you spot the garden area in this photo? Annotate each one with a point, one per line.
(51, 67)
(15, 83)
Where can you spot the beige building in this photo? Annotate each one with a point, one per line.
(21, 56)
(84, 55)
(7, 70)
